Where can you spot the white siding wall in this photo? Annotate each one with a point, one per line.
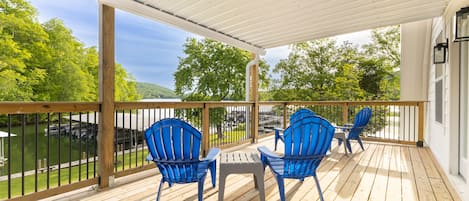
(443, 139)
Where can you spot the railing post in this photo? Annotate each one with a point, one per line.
(285, 115)
(255, 121)
(421, 108)
(205, 129)
(255, 98)
(106, 96)
(345, 112)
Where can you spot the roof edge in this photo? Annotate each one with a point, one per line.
(153, 13)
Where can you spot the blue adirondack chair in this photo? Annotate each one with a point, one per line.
(361, 120)
(301, 113)
(307, 141)
(174, 146)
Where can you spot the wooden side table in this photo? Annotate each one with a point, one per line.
(241, 163)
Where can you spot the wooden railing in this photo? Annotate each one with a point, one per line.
(46, 153)
(392, 121)
(223, 124)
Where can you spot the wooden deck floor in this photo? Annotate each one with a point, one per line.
(381, 172)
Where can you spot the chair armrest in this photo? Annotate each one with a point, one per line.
(279, 129)
(344, 128)
(212, 154)
(266, 152)
(149, 157)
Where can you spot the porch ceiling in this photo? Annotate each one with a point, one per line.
(261, 24)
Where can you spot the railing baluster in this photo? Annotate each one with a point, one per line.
(130, 142)
(59, 146)
(48, 151)
(36, 150)
(122, 138)
(88, 132)
(23, 125)
(95, 134)
(80, 155)
(70, 149)
(136, 138)
(9, 156)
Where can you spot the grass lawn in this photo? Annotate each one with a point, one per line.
(29, 181)
(124, 161)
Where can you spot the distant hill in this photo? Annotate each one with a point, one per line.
(149, 90)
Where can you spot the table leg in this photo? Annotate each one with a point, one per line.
(259, 182)
(221, 186)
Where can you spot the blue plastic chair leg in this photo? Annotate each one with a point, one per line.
(159, 190)
(201, 189)
(360, 143)
(276, 139)
(281, 187)
(318, 187)
(349, 147)
(213, 172)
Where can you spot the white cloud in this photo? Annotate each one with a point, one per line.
(274, 55)
(358, 38)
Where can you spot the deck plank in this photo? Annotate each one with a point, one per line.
(424, 188)
(393, 191)
(383, 171)
(450, 188)
(378, 191)
(326, 165)
(409, 188)
(331, 192)
(363, 190)
(354, 180)
(326, 178)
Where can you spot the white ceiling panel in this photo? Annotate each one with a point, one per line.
(261, 24)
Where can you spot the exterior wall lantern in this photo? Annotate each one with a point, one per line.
(439, 53)
(462, 25)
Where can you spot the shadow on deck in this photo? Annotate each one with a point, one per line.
(382, 172)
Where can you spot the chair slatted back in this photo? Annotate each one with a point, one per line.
(175, 146)
(300, 114)
(361, 120)
(306, 142)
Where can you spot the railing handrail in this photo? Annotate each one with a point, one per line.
(370, 102)
(182, 104)
(46, 107)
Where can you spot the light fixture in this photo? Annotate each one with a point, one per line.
(462, 25)
(439, 53)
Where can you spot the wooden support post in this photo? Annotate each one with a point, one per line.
(285, 115)
(205, 130)
(255, 98)
(421, 108)
(345, 112)
(106, 96)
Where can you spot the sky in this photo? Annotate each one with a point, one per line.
(147, 49)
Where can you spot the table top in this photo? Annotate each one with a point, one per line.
(239, 158)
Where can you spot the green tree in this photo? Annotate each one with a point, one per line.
(380, 64)
(318, 70)
(46, 62)
(22, 44)
(126, 85)
(67, 79)
(213, 71)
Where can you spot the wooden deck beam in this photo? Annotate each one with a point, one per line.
(106, 95)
